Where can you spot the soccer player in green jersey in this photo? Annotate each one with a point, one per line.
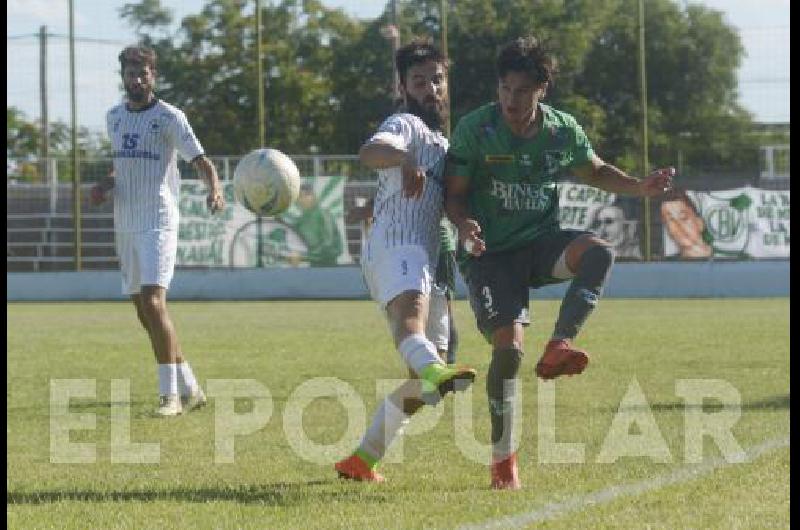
(504, 161)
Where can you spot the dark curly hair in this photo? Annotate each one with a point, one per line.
(529, 56)
(139, 56)
(418, 51)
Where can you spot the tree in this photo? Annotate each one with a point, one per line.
(210, 72)
(22, 136)
(24, 143)
(692, 57)
(328, 77)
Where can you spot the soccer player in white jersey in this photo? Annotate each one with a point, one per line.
(147, 136)
(401, 252)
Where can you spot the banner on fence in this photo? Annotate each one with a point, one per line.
(583, 207)
(310, 233)
(742, 223)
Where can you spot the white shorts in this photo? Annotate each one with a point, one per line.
(146, 258)
(437, 328)
(393, 271)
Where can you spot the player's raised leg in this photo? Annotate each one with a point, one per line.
(407, 316)
(589, 259)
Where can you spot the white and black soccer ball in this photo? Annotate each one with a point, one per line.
(266, 182)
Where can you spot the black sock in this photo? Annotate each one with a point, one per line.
(585, 291)
(503, 368)
(452, 344)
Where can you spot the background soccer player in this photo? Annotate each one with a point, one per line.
(147, 134)
(402, 247)
(505, 159)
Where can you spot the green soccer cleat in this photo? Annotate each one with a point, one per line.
(438, 380)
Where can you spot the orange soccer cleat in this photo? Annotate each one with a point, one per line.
(354, 468)
(505, 475)
(560, 358)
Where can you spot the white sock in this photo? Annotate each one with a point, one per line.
(418, 352)
(387, 424)
(167, 379)
(186, 380)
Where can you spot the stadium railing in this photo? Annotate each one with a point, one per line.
(40, 230)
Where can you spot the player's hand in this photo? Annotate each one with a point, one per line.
(413, 180)
(469, 232)
(98, 195)
(657, 183)
(215, 200)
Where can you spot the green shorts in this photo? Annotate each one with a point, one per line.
(499, 282)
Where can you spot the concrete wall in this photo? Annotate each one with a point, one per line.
(711, 279)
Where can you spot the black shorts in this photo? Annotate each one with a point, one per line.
(499, 282)
(446, 273)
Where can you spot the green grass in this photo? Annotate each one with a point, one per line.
(283, 344)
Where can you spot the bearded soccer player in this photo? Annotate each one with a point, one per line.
(504, 161)
(147, 135)
(401, 252)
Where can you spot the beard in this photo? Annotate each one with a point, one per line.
(136, 96)
(433, 114)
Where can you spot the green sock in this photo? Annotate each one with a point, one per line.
(368, 459)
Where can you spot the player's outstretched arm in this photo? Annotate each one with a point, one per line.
(215, 199)
(377, 154)
(607, 177)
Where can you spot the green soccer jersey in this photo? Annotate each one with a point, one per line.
(513, 194)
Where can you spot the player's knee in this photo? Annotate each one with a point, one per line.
(152, 305)
(508, 337)
(599, 258)
(504, 366)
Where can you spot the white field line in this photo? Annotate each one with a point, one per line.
(582, 502)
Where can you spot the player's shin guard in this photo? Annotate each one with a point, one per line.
(501, 388)
(584, 292)
(387, 424)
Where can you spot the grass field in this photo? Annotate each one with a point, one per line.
(283, 344)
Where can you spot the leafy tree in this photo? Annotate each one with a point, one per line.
(22, 136)
(328, 77)
(24, 142)
(691, 61)
(211, 73)
(691, 57)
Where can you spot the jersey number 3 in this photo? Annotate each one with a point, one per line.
(129, 141)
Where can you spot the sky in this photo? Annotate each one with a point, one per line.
(763, 76)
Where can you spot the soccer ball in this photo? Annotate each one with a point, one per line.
(266, 182)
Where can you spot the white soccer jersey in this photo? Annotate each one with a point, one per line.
(399, 220)
(146, 144)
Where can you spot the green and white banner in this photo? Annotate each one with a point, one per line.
(583, 207)
(743, 223)
(310, 233)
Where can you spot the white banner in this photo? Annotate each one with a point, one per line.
(583, 207)
(310, 233)
(743, 222)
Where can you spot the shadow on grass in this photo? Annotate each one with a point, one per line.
(277, 494)
(770, 403)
